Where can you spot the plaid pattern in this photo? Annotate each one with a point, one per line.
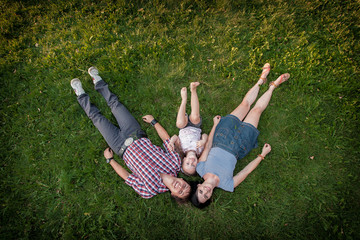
(147, 161)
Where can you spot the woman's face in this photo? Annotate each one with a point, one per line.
(179, 188)
(204, 192)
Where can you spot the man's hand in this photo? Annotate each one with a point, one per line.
(108, 153)
(148, 118)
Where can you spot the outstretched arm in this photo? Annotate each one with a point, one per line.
(208, 144)
(108, 153)
(159, 129)
(238, 178)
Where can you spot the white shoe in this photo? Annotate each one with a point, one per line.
(76, 85)
(94, 73)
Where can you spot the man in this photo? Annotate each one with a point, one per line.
(154, 170)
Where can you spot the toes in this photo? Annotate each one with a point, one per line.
(193, 85)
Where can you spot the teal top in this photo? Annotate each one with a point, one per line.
(221, 163)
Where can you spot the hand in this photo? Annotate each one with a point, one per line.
(148, 118)
(200, 143)
(266, 149)
(216, 119)
(172, 143)
(108, 153)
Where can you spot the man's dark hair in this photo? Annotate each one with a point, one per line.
(181, 201)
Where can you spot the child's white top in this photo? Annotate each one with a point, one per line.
(189, 136)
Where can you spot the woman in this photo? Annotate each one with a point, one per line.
(233, 137)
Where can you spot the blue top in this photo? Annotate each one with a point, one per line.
(221, 163)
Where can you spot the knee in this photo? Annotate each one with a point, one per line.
(257, 110)
(245, 104)
(181, 123)
(195, 118)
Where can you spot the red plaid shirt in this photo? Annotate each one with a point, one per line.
(147, 161)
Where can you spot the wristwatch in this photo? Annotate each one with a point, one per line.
(153, 122)
(109, 159)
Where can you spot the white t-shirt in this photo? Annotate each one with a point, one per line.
(189, 136)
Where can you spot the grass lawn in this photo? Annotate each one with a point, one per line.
(54, 181)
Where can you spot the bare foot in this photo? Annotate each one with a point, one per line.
(183, 94)
(264, 74)
(284, 77)
(194, 85)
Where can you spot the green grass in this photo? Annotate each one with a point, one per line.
(54, 181)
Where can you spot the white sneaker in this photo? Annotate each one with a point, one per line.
(94, 73)
(76, 85)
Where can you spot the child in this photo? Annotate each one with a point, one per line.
(190, 141)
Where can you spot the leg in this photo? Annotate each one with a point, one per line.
(195, 108)
(242, 110)
(111, 134)
(126, 121)
(248, 100)
(182, 120)
(254, 115)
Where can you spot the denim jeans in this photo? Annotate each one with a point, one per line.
(114, 136)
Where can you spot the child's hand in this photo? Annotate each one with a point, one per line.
(173, 140)
(200, 143)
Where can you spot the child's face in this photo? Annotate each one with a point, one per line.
(189, 164)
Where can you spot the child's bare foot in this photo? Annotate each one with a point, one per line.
(194, 85)
(183, 94)
(284, 77)
(264, 74)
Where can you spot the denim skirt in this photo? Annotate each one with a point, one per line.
(235, 136)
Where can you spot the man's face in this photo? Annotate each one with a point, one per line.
(180, 188)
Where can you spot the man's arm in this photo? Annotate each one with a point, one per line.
(108, 153)
(159, 129)
(238, 178)
(208, 144)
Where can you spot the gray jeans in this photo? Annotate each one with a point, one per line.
(114, 136)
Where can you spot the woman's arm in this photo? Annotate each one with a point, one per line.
(108, 153)
(159, 129)
(238, 178)
(208, 144)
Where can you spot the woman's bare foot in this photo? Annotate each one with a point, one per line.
(284, 77)
(183, 94)
(264, 74)
(194, 85)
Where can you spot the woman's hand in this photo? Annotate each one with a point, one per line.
(216, 119)
(108, 153)
(148, 118)
(266, 149)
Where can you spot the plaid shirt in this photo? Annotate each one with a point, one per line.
(147, 161)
